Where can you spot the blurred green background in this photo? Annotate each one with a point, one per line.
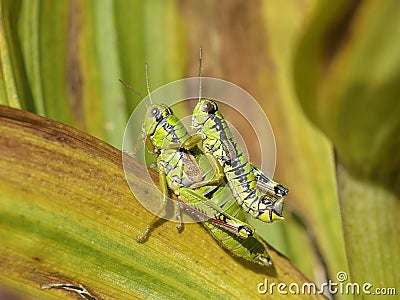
(326, 74)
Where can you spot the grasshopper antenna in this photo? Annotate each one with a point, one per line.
(131, 88)
(147, 83)
(140, 140)
(200, 69)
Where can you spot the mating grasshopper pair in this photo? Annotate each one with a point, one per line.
(212, 177)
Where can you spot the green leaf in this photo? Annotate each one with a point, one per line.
(67, 216)
(304, 156)
(347, 74)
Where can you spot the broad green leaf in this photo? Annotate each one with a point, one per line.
(305, 157)
(67, 217)
(347, 74)
(62, 59)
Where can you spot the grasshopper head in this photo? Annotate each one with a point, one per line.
(155, 115)
(205, 116)
(161, 128)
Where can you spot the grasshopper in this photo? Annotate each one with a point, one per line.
(255, 192)
(183, 170)
(198, 182)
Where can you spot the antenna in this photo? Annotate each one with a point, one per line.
(147, 83)
(131, 88)
(200, 69)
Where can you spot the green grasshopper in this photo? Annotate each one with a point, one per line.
(255, 192)
(198, 182)
(182, 169)
(246, 181)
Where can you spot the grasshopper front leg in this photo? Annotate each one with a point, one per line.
(164, 198)
(178, 215)
(189, 144)
(217, 169)
(195, 140)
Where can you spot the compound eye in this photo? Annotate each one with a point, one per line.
(209, 107)
(155, 113)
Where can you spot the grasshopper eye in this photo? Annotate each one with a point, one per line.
(158, 112)
(155, 113)
(209, 107)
